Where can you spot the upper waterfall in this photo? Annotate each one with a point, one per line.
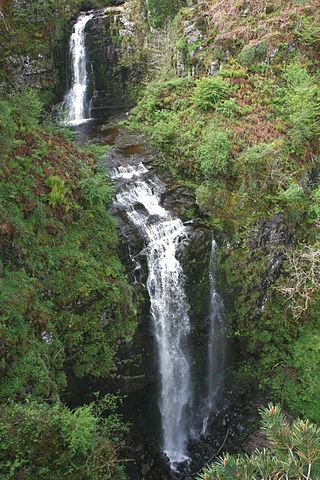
(75, 101)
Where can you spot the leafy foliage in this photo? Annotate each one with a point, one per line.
(45, 442)
(301, 106)
(58, 193)
(26, 109)
(7, 126)
(161, 11)
(214, 153)
(294, 452)
(210, 91)
(251, 54)
(309, 32)
(65, 301)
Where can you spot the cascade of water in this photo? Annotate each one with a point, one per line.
(75, 101)
(139, 196)
(216, 341)
(216, 344)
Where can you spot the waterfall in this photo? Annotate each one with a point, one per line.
(216, 342)
(140, 196)
(75, 101)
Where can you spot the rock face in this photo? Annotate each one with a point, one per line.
(35, 72)
(104, 38)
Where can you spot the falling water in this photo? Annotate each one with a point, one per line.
(75, 101)
(139, 196)
(216, 342)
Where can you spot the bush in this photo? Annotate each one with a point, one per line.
(310, 31)
(45, 442)
(165, 131)
(229, 108)
(301, 389)
(58, 193)
(234, 72)
(26, 109)
(294, 453)
(263, 167)
(301, 106)
(210, 91)
(97, 190)
(250, 54)
(161, 11)
(214, 154)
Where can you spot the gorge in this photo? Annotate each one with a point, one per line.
(159, 252)
(138, 198)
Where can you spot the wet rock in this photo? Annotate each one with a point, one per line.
(109, 38)
(214, 68)
(271, 238)
(181, 201)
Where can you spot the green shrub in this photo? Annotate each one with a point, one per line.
(250, 54)
(263, 167)
(180, 84)
(234, 72)
(229, 108)
(165, 131)
(301, 106)
(214, 154)
(28, 372)
(301, 389)
(161, 11)
(294, 453)
(26, 109)
(43, 442)
(58, 193)
(314, 208)
(97, 190)
(309, 32)
(293, 195)
(209, 91)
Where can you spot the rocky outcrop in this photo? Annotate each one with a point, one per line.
(31, 71)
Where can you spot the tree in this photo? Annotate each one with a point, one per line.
(294, 453)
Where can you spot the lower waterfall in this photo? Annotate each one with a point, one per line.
(139, 196)
(216, 341)
(216, 355)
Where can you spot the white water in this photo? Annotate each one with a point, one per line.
(75, 102)
(216, 342)
(139, 196)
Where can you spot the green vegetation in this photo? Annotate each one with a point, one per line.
(161, 11)
(210, 91)
(45, 442)
(246, 141)
(214, 153)
(65, 301)
(293, 452)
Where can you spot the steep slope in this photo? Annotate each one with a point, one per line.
(240, 125)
